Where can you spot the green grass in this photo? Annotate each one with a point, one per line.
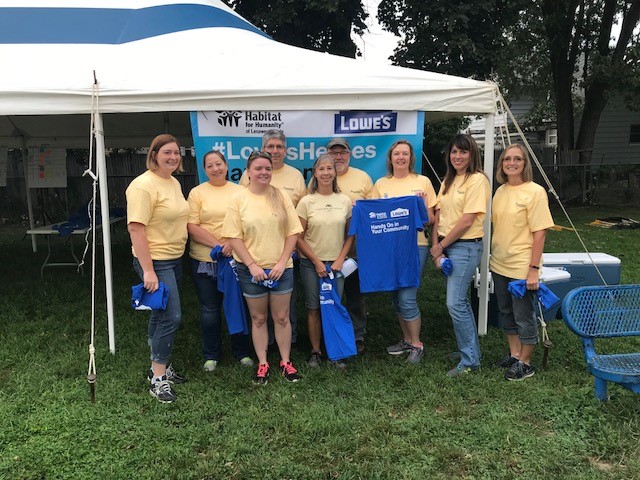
(382, 419)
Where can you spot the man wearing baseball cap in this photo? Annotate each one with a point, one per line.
(357, 185)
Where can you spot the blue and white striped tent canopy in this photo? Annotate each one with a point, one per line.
(153, 56)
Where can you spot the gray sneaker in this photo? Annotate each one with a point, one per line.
(338, 365)
(162, 391)
(171, 374)
(315, 359)
(399, 348)
(415, 356)
(459, 371)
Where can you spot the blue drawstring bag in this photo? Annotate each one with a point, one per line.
(337, 328)
(546, 297)
(235, 310)
(267, 282)
(141, 299)
(446, 266)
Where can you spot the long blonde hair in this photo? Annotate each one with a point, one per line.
(274, 195)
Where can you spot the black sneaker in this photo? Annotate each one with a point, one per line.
(162, 391)
(172, 376)
(289, 372)
(519, 371)
(262, 374)
(360, 347)
(507, 361)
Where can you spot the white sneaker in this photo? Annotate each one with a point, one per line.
(210, 365)
(246, 362)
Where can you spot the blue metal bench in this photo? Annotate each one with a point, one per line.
(605, 312)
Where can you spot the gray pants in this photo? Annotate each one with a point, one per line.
(517, 315)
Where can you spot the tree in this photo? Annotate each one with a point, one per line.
(321, 25)
(562, 52)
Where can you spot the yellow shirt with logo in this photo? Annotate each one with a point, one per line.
(158, 203)
(517, 212)
(288, 179)
(356, 184)
(208, 205)
(391, 187)
(326, 217)
(466, 195)
(250, 218)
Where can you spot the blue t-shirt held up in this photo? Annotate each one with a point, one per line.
(386, 242)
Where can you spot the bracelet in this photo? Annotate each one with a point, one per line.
(535, 267)
(252, 263)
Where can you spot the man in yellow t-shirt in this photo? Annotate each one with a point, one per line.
(357, 185)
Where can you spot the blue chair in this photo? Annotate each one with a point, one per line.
(606, 312)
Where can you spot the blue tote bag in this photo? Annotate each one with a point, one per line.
(337, 328)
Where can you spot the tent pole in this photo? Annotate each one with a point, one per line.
(101, 164)
(483, 291)
(25, 167)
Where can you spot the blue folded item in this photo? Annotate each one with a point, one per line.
(141, 299)
(235, 309)
(267, 282)
(546, 297)
(446, 266)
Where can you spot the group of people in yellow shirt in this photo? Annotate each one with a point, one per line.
(272, 213)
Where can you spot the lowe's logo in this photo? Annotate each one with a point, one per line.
(365, 122)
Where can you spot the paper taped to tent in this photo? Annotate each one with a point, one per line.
(154, 62)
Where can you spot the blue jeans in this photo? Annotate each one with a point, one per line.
(405, 300)
(163, 325)
(465, 258)
(211, 318)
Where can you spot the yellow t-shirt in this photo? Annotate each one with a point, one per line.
(288, 179)
(208, 205)
(356, 184)
(250, 218)
(159, 204)
(470, 195)
(391, 187)
(516, 213)
(326, 217)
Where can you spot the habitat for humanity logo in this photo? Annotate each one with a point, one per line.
(378, 216)
(228, 118)
(399, 212)
(364, 122)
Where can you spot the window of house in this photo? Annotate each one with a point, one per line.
(634, 134)
(552, 137)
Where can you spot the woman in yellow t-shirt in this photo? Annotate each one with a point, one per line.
(208, 203)
(157, 222)
(457, 234)
(324, 214)
(402, 180)
(262, 227)
(520, 217)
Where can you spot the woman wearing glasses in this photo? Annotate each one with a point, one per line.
(457, 233)
(262, 227)
(324, 214)
(520, 216)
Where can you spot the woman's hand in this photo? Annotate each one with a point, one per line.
(277, 271)
(226, 249)
(437, 260)
(437, 250)
(532, 280)
(336, 266)
(257, 272)
(150, 281)
(321, 269)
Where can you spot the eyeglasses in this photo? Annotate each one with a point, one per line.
(274, 147)
(512, 159)
(340, 153)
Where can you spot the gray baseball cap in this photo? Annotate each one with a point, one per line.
(338, 142)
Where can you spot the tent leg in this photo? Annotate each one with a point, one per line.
(106, 226)
(483, 291)
(25, 166)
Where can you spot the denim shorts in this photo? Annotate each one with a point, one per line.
(253, 290)
(311, 284)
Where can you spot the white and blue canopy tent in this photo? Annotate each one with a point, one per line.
(156, 61)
